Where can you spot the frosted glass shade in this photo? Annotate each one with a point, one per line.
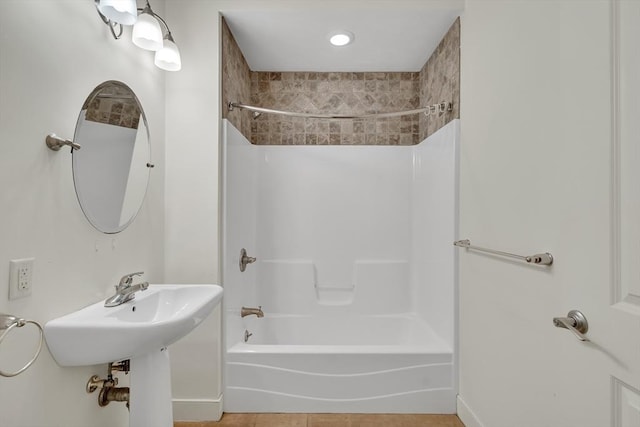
(123, 12)
(168, 58)
(147, 33)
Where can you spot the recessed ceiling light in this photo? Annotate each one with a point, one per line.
(341, 38)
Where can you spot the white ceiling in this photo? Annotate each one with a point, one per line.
(389, 36)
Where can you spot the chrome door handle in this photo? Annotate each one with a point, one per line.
(574, 322)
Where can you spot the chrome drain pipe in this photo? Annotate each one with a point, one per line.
(113, 394)
(108, 390)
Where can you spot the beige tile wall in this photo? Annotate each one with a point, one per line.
(440, 81)
(341, 93)
(335, 93)
(236, 82)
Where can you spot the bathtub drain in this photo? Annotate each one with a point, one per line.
(247, 334)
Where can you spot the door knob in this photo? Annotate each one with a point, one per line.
(574, 322)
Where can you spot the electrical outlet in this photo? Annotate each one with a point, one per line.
(20, 277)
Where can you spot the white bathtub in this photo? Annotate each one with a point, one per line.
(347, 363)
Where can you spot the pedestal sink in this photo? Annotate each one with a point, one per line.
(139, 330)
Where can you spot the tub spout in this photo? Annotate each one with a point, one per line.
(247, 311)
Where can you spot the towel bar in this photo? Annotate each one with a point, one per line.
(539, 259)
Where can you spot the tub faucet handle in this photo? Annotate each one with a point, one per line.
(244, 260)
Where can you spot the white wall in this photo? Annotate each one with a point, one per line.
(535, 119)
(52, 55)
(191, 225)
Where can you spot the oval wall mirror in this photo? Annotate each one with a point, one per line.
(111, 170)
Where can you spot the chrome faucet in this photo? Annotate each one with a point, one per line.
(248, 311)
(125, 291)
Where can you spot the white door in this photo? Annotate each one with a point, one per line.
(618, 319)
(612, 308)
(546, 166)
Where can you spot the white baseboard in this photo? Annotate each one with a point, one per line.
(197, 409)
(466, 415)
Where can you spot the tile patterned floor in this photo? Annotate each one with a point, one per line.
(329, 420)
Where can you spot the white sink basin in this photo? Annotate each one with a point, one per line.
(154, 319)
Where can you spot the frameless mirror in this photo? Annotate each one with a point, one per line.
(111, 170)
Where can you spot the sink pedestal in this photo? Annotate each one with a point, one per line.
(150, 401)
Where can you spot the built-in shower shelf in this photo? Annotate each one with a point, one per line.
(334, 295)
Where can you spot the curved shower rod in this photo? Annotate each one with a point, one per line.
(428, 110)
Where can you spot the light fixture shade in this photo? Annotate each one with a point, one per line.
(147, 33)
(168, 58)
(123, 12)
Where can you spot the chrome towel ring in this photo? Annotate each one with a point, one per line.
(7, 323)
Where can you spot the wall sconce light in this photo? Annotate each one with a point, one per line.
(147, 32)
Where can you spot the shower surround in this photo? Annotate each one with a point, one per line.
(352, 224)
(354, 272)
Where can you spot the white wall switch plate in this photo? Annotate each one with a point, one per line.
(20, 277)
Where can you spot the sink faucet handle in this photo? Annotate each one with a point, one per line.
(127, 279)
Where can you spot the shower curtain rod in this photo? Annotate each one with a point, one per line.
(428, 110)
